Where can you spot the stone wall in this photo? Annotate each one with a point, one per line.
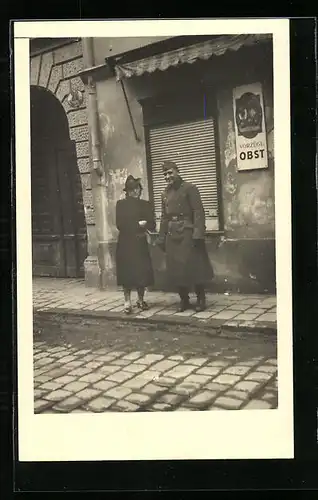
(57, 71)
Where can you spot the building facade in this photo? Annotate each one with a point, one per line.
(129, 104)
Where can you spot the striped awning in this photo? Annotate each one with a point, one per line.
(190, 54)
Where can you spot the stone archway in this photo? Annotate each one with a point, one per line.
(55, 71)
(58, 223)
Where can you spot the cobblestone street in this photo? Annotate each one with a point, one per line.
(97, 365)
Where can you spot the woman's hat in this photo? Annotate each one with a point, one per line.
(132, 183)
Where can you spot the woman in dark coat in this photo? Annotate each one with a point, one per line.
(134, 268)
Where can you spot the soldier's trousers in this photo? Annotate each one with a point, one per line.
(184, 292)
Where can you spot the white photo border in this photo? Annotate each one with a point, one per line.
(250, 434)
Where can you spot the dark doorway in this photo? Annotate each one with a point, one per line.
(59, 234)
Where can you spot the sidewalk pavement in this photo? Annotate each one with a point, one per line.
(239, 312)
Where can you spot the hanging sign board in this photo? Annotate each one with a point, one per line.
(250, 131)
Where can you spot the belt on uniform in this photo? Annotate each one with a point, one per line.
(177, 218)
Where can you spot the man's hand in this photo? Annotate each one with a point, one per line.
(142, 223)
(198, 242)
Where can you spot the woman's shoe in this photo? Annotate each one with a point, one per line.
(141, 304)
(128, 310)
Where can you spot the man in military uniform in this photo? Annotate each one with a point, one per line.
(182, 237)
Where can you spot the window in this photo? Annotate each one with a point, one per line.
(191, 143)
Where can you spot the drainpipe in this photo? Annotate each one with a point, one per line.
(88, 56)
(97, 171)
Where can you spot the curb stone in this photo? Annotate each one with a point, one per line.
(212, 328)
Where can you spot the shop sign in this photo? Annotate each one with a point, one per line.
(250, 130)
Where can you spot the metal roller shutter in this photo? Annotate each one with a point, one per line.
(192, 146)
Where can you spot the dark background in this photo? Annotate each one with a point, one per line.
(300, 473)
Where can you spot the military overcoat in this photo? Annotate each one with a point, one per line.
(182, 235)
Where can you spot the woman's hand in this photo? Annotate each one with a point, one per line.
(160, 243)
(142, 223)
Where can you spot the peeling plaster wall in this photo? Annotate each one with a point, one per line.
(248, 196)
(122, 153)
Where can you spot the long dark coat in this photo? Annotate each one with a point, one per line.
(133, 262)
(187, 260)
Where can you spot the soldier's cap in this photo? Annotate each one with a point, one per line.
(168, 165)
(132, 183)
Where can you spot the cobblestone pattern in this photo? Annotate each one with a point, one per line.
(67, 379)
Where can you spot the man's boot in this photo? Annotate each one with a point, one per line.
(184, 300)
(201, 299)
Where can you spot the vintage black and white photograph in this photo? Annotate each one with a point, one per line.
(152, 176)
